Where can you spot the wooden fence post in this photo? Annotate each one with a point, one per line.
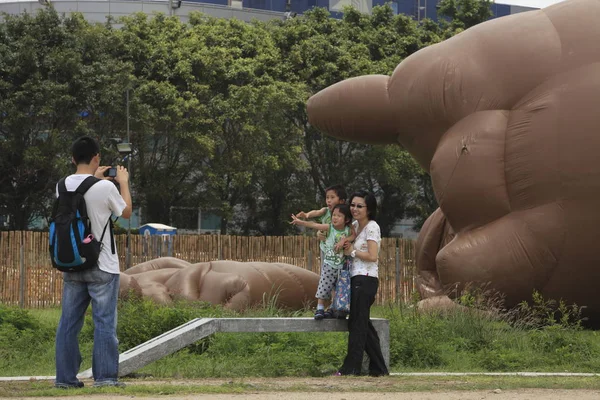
(398, 282)
(22, 277)
(27, 278)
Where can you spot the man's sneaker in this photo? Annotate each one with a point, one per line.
(328, 314)
(319, 315)
(109, 383)
(77, 385)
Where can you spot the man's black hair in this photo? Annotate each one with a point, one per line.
(84, 149)
(339, 191)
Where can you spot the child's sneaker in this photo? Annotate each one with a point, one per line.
(319, 315)
(328, 314)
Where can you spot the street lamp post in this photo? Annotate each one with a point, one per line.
(128, 258)
(125, 151)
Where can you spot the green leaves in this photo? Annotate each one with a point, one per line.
(465, 13)
(216, 110)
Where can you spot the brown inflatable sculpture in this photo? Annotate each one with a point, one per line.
(506, 118)
(235, 285)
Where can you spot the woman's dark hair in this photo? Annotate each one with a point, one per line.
(370, 201)
(84, 149)
(345, 211)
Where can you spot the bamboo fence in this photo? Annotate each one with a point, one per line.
(28, 279)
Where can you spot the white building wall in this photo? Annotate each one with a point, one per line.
(98, 10)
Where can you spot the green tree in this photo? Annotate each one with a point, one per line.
(168, 114)
(319, 52)
(424, 202)
(464, 14)
(239, 63)
(218, 117)
(276, 186)
(49, 68)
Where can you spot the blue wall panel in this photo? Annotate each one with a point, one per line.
(219, 2)
(500, 10)
(380, 2)
(300, 6)
(393, 3)
(273, 5)
(430, 9)
(407, 7)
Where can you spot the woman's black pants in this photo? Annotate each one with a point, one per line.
(363, 336)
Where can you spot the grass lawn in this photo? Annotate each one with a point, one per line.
(465, 340)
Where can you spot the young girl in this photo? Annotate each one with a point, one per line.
(338, 231)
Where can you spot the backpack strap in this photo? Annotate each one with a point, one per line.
(83, 186)
(86, 184)
(109, 223)
(62, 187)
(81, 190)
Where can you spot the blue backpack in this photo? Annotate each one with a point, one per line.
(72, 246)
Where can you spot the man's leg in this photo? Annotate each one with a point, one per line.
(75, 301)
(104, 290)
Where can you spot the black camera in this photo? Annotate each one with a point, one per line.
(111, 172)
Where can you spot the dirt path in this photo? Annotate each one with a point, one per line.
(523, 394)
(331, 388)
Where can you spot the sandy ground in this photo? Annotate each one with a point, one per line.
(526, 394)
(333, 388)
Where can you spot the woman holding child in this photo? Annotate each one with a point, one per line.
(364, 284)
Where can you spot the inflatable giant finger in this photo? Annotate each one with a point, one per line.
(505, 118)
(235, 285)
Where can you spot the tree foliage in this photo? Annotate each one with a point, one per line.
(464, 14)
(53, 71)
(217, 111)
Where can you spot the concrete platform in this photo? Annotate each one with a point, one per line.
(199, 328)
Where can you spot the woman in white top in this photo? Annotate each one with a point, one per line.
(364, 284)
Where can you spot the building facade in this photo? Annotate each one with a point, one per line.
(247, 10)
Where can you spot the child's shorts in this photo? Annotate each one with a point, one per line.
(327, 282)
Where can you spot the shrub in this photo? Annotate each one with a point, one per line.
(543, 312)
(142, 319)
(414, 338)
(21, 335)
(499, 359)
(20, 319)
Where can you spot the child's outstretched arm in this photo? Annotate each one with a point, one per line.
(311, 214)
(308, 224)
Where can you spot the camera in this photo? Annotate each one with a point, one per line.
(111, 172)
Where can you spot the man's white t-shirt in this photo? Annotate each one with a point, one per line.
(102, 200)
(372, 232)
